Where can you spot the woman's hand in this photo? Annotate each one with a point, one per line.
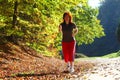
(73, 35)
(60, 28)
(75, 31)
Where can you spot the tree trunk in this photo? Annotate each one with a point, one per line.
(13, 38)
(15, 15)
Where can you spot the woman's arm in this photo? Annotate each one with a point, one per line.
(75, 31)
(60, 28)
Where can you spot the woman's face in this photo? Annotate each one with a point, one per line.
(67, 18)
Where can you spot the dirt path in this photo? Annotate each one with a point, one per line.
(23, 63)
(105, 69)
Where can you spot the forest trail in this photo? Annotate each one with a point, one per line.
(23, 63)
(104, 69)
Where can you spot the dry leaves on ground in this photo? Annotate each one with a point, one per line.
(23, 63)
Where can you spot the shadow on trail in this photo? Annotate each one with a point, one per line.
(37, 75)
(30, 75)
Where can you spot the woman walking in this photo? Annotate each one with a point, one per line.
(68, 30)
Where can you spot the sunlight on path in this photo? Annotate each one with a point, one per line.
(98, 77)
(105, 69)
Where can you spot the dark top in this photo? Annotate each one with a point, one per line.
(67, 31)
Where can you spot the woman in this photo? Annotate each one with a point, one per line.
(69, 30)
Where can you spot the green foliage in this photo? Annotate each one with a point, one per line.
(112, 55)
(38, 20)
(118, 53)
(88, 25)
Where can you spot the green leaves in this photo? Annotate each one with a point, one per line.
(38, 21)
(89, 26)
(1, 0)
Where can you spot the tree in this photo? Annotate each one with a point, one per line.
(118, 32)
(35, 22)
(88, 24)
(109, 17)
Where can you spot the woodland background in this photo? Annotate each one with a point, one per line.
(35, 23)
(109, 15)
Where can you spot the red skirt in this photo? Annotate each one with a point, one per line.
(68, 49)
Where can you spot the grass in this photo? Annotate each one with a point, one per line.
(22, 74)
(87, 58)
(112, 55)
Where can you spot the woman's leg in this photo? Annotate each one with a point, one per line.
(65, 52)
(72, 64)
(72, 55)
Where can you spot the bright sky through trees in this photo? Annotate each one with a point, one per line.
(94, 3)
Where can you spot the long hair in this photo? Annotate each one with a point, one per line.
(70, 16)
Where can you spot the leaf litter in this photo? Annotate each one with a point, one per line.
(26, 64)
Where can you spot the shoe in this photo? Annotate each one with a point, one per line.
(72, 70)
(68, 68)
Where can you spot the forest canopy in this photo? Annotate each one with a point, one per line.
(35, 22)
